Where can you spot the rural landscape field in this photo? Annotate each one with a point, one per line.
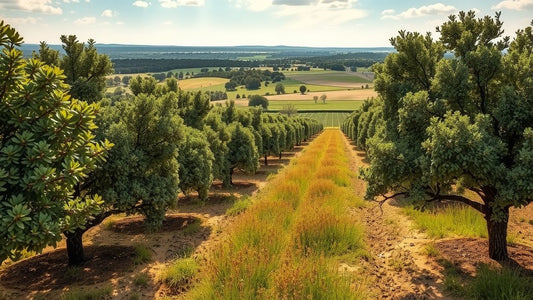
(137, 171)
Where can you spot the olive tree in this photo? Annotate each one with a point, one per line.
(457, 124)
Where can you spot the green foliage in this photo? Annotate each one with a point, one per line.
(180, 272)
(195, 163)
(303, 89)
(141, 279)
(239, 206)
(141, 174)
(144, 85)
(47, 148)
(460, 123)
(280, 88)
(85, 68)
(257, 100)
(501, 284)
(243, 153)
(143, 255)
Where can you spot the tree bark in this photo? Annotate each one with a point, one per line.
(498, 236)
(75, 247)
(230, 176)
(266, 161)
(280, 155)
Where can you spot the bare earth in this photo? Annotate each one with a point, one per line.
(355, 94)
(396, 269)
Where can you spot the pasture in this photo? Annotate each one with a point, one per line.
(310, 105)
(332, 78)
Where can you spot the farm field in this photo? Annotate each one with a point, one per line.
(310, 105)
(334, 78)
(328, 119)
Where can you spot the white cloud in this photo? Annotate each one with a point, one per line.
(253, 5)
(21, 21)
(73, 1)
(109, 13)
(42, 6)
(85, 21)
(426, 10)
(140, 3)
(176, 3)
(514, 4)
(325, 13)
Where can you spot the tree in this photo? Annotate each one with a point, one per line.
(231, 86)
(289, 109)
(315, 98)
(144, 85)
(46, 148)
(140, 175)
(457, 124)
(252, 83)
(126, 80)
(242, 151)
(47, 55)
(195, 163)
(323, 98)
(172, 84)
(85, 68)
(280, 88)
(303, 89)
(257, 100)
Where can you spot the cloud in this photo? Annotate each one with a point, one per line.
(21, 21)
(253, 5)
(42, 6)
(109, 13)
(140, 3)
(325, 13)
(514, 4)
(73, 1)
(85, 21)
(176, 3)
(426, 10)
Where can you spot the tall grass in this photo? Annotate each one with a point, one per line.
(449, 220)
(287, 243)
(501, 284)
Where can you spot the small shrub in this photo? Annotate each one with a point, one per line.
(530, 221)
(141, 279)
(193, 227)
(431, 250)
(179, 272)
(143, 255)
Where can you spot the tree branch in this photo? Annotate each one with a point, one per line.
(458, 198)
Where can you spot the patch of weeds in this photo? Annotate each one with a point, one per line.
(454, 281)
(501, 284)
(193, 227)
(530, 222)
(522, 220)
(92, 294)
(239, 206)
(141, 279)
(73, 273)
(431, 250)
(135, 296)
(143, 255)
(179, 272)
(397, 264)
(511, 238)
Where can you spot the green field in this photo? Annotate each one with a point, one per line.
(326, 77)
(328, 119)
(290, 87)
(310, 105)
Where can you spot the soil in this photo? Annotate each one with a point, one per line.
(397, 266)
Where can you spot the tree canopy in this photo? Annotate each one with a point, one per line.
(46, 149)
(442, 126)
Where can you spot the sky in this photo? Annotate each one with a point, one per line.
(315, 23)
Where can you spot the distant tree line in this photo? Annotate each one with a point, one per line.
(144, 65)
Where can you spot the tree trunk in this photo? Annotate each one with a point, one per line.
(280, 155)
(230, 176)
(75, 247)
(498, 236)
(266, 161)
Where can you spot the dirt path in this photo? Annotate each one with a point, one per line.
(398, 267)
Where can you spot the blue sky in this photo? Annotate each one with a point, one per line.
(323, 23)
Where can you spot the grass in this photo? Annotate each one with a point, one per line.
(141, 279)
(431, 250)
(239, 206)
(311, 105)
(449, 221)
(328, 119)
(202, 82)
(497, 284)
(326, 76)
(91, 294)
(193, 227)
(143, 254)
(290, 241)
(179, 272)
